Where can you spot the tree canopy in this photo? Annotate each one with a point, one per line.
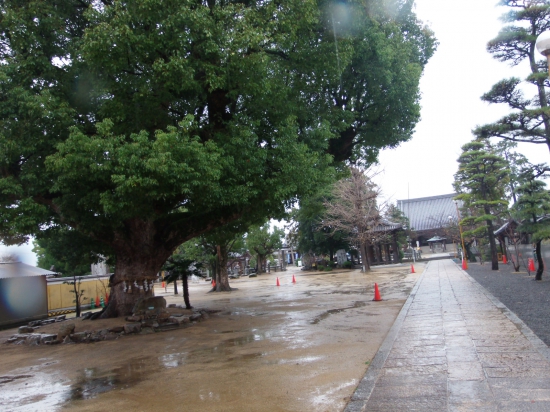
(144, 124)
(263, 240)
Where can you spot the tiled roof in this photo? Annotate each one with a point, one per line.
(427, 213)
(387, 226)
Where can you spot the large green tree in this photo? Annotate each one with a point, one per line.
(144, 124)
(480, 182)
(263, 241)
(529, 119)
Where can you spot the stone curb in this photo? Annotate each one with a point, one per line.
(363, 391)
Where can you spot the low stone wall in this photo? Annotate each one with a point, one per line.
(142, 322)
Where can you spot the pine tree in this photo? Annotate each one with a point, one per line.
(529, 120)
(533, 207)
(480, 181)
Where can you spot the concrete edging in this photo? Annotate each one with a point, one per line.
(363, 391)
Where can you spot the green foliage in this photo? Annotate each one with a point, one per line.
(142, 125)
(179, 266)
(529, 118)
(309, 234)
(533, 204)
(347, 264)
(394, 214)
(481, 180)
(264, 241)
(68, 251)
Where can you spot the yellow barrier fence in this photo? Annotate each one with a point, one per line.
(61, 296)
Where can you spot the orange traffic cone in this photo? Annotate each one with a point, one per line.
(412, 269)
(213, 283)
(464, 264)
(97, 301)
(293, 279)
(278, 284)
(163, 284)
(531, 265)
(504, 260)
(377, 293)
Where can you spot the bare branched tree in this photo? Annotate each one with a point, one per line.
(354, 210)
(9, 258)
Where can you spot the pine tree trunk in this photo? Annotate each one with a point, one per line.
(176, 287)
(492, 243)
(540, 269)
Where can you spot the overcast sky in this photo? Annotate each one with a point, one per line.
(454, 79)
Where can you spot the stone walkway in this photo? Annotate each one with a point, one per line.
(454, 347)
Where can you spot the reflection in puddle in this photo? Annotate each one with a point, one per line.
(255, 336)
(300, 361)
(94, 381)
(173, 360)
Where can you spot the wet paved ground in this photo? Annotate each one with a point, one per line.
(300, 346)
(454, 347)
(528, 299)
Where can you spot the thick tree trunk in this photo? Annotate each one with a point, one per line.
(260, 264)
(185, 287)
(223, 282)
(176, 287)
(540, 269)
(133, 279)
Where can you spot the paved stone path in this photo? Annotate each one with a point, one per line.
(454, 347)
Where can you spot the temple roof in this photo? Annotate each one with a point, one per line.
(427, 213)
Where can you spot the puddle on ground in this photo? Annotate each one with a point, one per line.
(326, 314)
(94, 381)
(249, 338)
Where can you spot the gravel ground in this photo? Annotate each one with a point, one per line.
(527, 298)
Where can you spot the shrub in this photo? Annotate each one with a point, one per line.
(347, 264)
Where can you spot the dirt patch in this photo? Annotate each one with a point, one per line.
(301, 346)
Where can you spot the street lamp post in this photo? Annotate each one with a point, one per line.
(464, 258)
(543, 46)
